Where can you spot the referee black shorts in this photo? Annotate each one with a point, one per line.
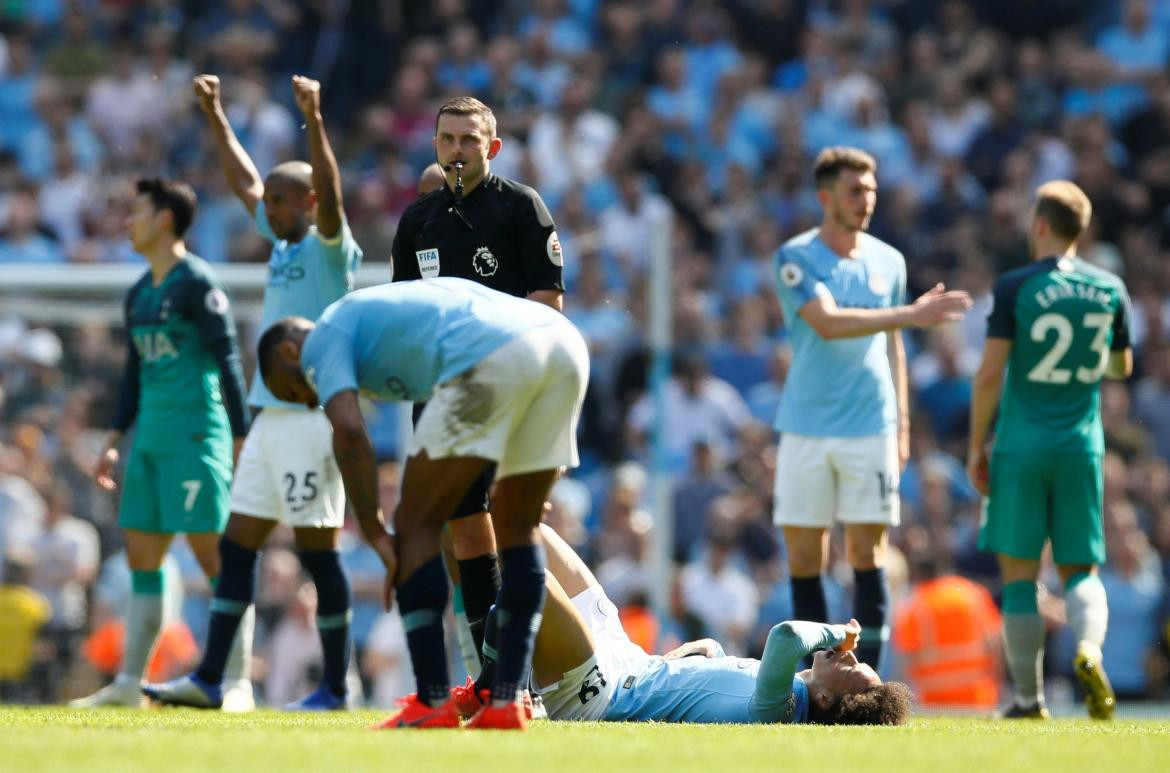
(476, 499)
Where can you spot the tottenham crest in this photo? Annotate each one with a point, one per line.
(484, 262)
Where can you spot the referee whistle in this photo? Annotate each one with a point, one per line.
(458, 179)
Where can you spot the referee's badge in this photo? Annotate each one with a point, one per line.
(553, 246)
(484, 262)
(428, 263)
(791, 274)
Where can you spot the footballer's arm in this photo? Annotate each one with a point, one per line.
(896, 351)
(933, 307)
(359, 472)
(326, 177)
(986, 388)
(241, 173)
(1120, 365)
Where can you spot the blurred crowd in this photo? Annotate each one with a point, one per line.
(614, 112)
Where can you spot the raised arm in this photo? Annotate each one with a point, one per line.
(326, 177)
(241, 173)
(787, 643)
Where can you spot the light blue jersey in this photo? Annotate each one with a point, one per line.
(843, 387)
(397, 341)
(725, 689)
(303, 278)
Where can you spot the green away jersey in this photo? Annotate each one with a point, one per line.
(183, 367)
(1063, 316)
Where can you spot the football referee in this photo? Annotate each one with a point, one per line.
(496, 232)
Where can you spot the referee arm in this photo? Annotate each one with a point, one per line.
(553, 298)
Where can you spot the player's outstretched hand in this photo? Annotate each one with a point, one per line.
(103, 474)
(852, 634)
(307, 93)
(938, 305)
(978, 471)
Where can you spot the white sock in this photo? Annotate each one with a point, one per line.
(1088, 610)
(1024, 641)
(144, 615)
(239, 661)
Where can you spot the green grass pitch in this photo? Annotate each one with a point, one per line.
(55, 739)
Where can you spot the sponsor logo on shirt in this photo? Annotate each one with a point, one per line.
(791, 274)
(428, 263)
(553, 246)
(154, 346)
(484, 262)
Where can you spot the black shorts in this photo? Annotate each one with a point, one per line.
(476, 499)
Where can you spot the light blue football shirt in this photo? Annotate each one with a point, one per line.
(843, 387)
(397, 341)
(303, 278)
(726, 689)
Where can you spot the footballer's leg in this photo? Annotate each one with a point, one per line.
(430, 490)
(1078, 546)
(318, 551)
(145, 552)
(474, 546)
(1023, 634)
(865, 546)
(804, 501)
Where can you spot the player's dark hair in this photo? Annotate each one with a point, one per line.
(172, 195)
(884, 704)
(1066, 208)
(468, 106)
(831, 161)
(284, 329)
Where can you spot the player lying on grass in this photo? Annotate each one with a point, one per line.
(586, 668)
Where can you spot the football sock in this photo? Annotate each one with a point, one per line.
(808, 599)
(871, 603)
(333, 613)
(479, 579)
(467, 650)
(421, 601)
(144, 617)
(1023, 633)
(519, 609)
(491, 641)
(233, 597)
(1088, 608)
(239, 660)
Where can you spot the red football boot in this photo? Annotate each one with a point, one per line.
(508, 717)
(412, 712)
(465, 700)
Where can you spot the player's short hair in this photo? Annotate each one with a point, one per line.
(1066, 208)
(284, 329)
(468, 106)
(831, 161)
(883, 704)
(298, 172)
(172, 195)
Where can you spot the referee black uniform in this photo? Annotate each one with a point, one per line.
(500, 235)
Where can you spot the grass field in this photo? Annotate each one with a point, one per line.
(180, 740)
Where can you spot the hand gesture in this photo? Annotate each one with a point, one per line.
(307, 93)
(938, 305)
(852, 634)
(978, 471)
(103, 473)
(207, 92)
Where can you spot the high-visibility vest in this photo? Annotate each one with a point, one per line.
(947, 631)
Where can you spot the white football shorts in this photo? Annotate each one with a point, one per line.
(518, 406)
(584, 692)
(287, 472)
(851, 479)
